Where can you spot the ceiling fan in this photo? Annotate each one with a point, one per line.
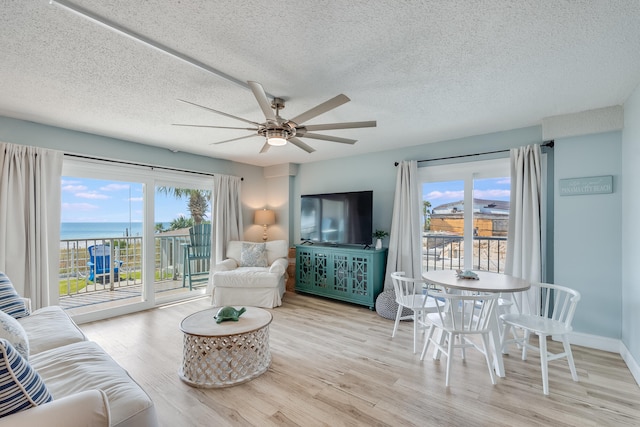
(279, 131)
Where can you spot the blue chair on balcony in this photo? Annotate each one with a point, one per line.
(100, 264)
(197, 255)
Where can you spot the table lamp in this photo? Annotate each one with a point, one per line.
(264, 217)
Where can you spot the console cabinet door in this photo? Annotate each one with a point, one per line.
(341, 279)
(353, 275)
(304, 269)
(321, 270)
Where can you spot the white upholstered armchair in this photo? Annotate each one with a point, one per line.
(253, 274)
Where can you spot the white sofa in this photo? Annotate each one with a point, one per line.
(236, 282)
(87, 386)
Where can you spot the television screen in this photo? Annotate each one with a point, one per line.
(337, 218)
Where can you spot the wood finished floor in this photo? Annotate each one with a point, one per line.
(335, 364)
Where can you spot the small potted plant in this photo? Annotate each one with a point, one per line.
(379, 235)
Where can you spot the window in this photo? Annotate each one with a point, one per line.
(135, 220)
(455, 236)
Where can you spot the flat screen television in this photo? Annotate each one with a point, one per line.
(337, 218)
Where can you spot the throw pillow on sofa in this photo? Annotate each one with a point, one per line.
(20, 385)
(10, 302)
(12, 331)
(253, 255)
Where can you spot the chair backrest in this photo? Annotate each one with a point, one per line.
(405, 287)
(200, 240)
(100, 256)
(465, 312)
(552, 302)
(275, 249)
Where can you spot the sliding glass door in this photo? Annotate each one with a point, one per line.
(124, 233)
(179, 206)
(465, 212)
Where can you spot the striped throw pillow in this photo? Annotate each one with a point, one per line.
(10, 301)
(20, 385)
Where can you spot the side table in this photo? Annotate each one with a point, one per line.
(227, 353)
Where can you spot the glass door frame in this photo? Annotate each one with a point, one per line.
(150, 178)
(191, 181)
(467, 172)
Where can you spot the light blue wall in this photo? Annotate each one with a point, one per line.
(377, 172)
(582, 156)
(590, 264)
(34, 134)
(588, 232)
(631, 225)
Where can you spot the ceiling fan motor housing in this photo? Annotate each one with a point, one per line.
(277, 104)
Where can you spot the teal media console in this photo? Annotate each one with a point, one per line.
(344, 273)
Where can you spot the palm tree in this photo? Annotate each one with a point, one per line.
(426, 211)
(181, 222)
(198, 200)
(198, 205)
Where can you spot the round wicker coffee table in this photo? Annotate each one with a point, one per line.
(227, 353)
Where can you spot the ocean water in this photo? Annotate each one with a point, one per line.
(90, 230)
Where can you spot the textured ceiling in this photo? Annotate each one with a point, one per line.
(425, 70)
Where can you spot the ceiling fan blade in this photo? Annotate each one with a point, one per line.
(300, 144)
(265, 148)
(263, 101)
(214, 127)
(321, 109)
(234, 139)
(220, 112)
(345, 125)
(329, 138)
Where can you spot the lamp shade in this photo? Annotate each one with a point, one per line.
(264, 217)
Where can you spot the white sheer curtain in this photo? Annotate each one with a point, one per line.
(405, 239)
(227, 212)
(524, 254)
(30, 219)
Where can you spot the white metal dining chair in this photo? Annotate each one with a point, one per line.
(411, 294)
(463, 315)
(550, 313)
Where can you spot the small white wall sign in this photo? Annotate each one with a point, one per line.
(586, 185)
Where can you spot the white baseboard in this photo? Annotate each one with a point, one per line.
(632, 364)
(594, 341)
(608, 344)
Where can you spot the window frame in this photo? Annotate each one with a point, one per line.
(149, 177)
(466, 172)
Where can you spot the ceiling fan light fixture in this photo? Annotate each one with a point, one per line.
(276, 137)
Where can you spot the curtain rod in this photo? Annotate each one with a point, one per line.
(546, 144)
(121, 162)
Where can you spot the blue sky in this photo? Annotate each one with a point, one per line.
(439, 193)
(95, 200)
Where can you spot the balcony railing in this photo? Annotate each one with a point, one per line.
(447, 252)
(440, 252)
(126, 254)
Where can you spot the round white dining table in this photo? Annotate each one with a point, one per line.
(487, 282)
